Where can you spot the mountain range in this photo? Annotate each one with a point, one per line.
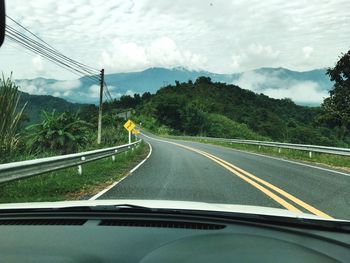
(304, 88)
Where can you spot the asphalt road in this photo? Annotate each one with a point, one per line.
(190, 171)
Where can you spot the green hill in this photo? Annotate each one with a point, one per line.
(217, 109)
(37, 103)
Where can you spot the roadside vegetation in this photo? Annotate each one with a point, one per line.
(56, 134)
(67, 184)
(10, 117)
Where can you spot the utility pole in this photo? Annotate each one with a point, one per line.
(99, 128)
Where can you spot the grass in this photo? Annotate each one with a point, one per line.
(67, 184)
(334, 161)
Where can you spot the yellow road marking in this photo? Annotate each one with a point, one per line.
(243, 175)
(256, 185)
(278, 190)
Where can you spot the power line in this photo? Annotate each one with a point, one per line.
(108, 92)
(39, 51)
(54, 49)
(15, 46)
(47, 51)
(15, 34)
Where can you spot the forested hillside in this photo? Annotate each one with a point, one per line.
(38, 103)
(216, 109)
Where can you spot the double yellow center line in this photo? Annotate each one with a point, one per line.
(258, 183)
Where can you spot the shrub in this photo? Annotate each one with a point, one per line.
(10, 117)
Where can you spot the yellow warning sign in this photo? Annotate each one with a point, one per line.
(129, 125)
(135, 131)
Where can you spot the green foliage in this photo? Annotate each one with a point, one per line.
(112, 136)
(10, 116)
(37, 103)
(336, 108)
(64, 133)
(221, 126)
(220, 110)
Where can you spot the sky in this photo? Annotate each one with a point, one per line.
(219, 36)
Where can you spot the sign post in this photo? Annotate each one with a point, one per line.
(129, 125)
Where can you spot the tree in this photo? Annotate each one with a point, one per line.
(336, 108)
(146, 96)
(63, 133)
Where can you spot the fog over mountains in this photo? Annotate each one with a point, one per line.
(305, 88)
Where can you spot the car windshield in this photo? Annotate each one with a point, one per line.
(218, 104)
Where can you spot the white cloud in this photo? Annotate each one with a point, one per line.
(307, 52)
(161, 52)
(275, 85)
(65, 85)
(255, 56)
(38, 64)
(255, 81)
(218, 35)
(94, 91)
(302, 92)
(41, 87)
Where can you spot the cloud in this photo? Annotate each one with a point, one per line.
(38, 64)
(306, 92)
(275, 85)
(307, 52)
(255, 56)
(65, 85)
(257, 82)
(94, 91)
(161, 52)
(42, 87)
(218, 35)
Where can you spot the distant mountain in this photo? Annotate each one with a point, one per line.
(309, 87)
(37, 103)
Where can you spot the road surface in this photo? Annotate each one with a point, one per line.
(190, 171)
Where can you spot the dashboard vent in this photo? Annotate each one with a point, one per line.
(162, 224)
(49, 221)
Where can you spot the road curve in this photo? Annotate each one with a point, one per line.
(190, 171)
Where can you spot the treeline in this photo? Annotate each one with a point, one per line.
(209, 108)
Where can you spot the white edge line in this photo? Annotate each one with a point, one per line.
(130, 172)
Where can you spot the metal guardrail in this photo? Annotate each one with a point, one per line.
(279, 145)
(23, 169)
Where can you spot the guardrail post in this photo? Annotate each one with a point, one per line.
(259, 147)
(279, 150)
(80, 168)
(113, 156)
(310, 154)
